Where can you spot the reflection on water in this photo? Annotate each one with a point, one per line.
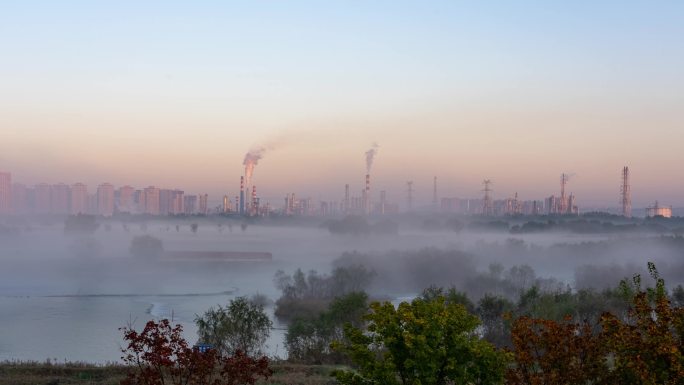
(86, 328)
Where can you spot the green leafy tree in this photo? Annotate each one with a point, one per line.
(492, 311)
(309, 339)
(426, 342)
(306, 295)
(452, 295)
(242, 325)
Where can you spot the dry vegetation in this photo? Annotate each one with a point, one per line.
(47, 373)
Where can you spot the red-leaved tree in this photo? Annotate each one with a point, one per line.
(159, 355)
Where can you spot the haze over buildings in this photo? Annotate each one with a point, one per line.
(512, 91)
(108, 200)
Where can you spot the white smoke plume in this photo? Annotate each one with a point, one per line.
(254, 155)
(251, 160)
(370, 154)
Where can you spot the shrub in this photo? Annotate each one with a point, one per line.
(160, 355)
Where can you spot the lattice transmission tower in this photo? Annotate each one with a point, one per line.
(487, 206)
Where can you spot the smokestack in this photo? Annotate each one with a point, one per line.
(367, 194)
(242, 195)
(251, 160)
(254, 207)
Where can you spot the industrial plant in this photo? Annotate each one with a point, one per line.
(61, 198)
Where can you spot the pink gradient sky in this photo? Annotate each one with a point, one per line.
(174, 97)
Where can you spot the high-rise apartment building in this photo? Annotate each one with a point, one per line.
(226, 204)
(203, 204)
(105, 200)
(152, 200)
(139, 199)
(165, 201)
(170, 202)
(190, 204)
(5, 192)
(126, 201)
(176, 202)
(79, 199)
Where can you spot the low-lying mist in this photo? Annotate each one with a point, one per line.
(409, 253)
(52, 270)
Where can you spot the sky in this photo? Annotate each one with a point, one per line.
(174, 94)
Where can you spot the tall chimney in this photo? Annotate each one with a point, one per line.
(254, 201)
(242, 195)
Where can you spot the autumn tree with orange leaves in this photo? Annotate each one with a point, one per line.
(645, 348)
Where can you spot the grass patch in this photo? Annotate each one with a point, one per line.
(69, 373)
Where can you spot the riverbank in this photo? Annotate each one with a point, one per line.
(71, 373)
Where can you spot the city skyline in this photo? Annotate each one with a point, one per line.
(108, 199)
(516, 93)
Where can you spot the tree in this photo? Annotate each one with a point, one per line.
(241, 326)
(160, 355)
(643, 347)
(647, 349)
(452, 295)
(309, 339)
(146, 246)
(423, 342)
(550, 352)
(308, 295)
(492, 310)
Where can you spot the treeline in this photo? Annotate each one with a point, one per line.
(517, 293)
(306, 295)
(410, 271)
(435, 340)
(628, 334)
(589, 223)
(358, 225)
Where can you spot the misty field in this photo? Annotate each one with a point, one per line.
(65, 295)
